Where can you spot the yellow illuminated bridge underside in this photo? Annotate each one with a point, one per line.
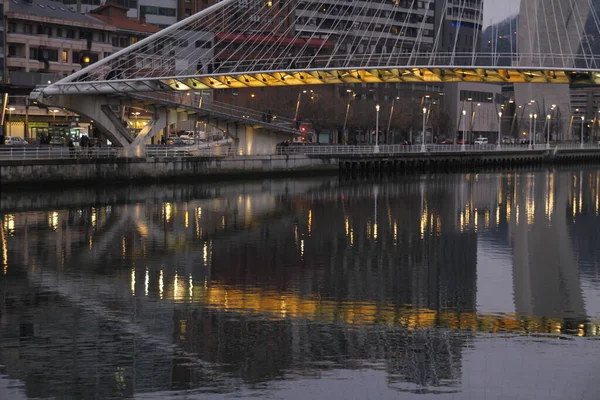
(330, 76)
(290, 305)
(388, 75)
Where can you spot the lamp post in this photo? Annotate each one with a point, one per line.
(499, 128)
(377, 130)
(464, 118)
(423, 148)
(548, 117)
(347, 111)
(534, 128)
(390, 119)
(530, 122)
(53, 120)
(10, 110)
(582, 121)
(136, 114)
(297, 104)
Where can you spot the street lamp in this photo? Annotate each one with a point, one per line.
(464, 118)
(530, 122)
(10, 110)
(54, 120)
(136, 114)
(297, 104)
(534, 128)
(582, 121)
(390, 120)
(424, 117)
(377, 130)
(347, 111)
(473, 114)
(548, 117)
(499, 128)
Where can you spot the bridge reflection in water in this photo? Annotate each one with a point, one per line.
(211, 286)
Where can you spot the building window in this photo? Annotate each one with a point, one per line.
(150, 10)
(51, 55)
(70, 34)
(65, 56)
(188, 12)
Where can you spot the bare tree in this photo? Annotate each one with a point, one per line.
(323, 113)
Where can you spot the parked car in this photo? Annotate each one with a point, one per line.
(57, 141)
(447, 141)
(187, 139)
(15, 141)
(175, 141)
(481, 140)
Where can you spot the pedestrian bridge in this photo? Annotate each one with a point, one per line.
(354, 42)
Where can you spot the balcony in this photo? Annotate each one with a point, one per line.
(22, 62)
(53, 42)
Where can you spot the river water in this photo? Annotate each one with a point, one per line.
(451, 286)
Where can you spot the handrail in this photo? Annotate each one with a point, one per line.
(228, 149)
(226, 110)
(384, 150)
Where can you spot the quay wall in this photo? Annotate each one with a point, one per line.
(156, 169)
(166, 169)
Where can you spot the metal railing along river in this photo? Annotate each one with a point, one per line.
(56, 153)
(315, 149)
(60, 152)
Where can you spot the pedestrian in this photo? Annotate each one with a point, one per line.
(71, 148)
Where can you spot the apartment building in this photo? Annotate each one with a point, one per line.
(47, 37)
(127, 30)
(460, 26)
(47, 40)
(272, 17)
(161, 13)
(393, 27)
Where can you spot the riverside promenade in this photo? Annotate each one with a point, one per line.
(42, 165)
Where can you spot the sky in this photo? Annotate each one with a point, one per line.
(497, 10)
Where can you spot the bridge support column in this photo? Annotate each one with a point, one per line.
(98, 109)
(152, 128)
(255, 141)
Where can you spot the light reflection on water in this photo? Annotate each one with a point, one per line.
(432, 286)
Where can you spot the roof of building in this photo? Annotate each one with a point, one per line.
(48, 9)
(116, 15)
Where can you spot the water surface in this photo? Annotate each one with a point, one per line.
(456, 286)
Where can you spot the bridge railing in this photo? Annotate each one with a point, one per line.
(258, 117)
(448, 59)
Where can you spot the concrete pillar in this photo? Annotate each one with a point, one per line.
(544, 30)
(96, 108)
